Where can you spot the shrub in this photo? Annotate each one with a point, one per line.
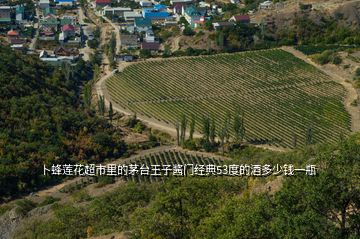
(24, 206)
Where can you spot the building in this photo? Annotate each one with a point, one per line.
(244, 19)
(194, 15)
(157, 12)
(131, 16)
(142, 24)
(44, 4)
(265, 5)
(55, 60)
(145, 3)
(14, 37)
(62, 51)
(68, 3)
(149, 36)
(152, 46)
(181, 1)
(49, 11)
(115, 11)
(19, 13)
(128, 41)
(5, 14)
(102, 3)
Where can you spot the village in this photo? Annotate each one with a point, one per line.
(67, 30)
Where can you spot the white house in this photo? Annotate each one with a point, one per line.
(44, 4)
(115, 11)
(265, 5)
(131, 16)
(149, 36)
(145, 3)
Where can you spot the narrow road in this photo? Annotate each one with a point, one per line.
(32, 45)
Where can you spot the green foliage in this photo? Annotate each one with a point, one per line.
(42, 121)
(327, 57)
(24, 206)
(48, 200)
(188, 31)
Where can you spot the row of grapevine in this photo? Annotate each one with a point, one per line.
(281, 95)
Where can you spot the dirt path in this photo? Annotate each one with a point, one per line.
(351, 95)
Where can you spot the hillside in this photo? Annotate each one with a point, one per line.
(300, 206)
(42, 121)
(280, 96)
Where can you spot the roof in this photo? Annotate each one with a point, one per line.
(12, 33)
(150, 45)
(68, 27)
(20, 9)
(142, 22)
(5, 8)
(132, 15)
(159, 7)
(240, 18)
(127, 39)
(65, 21)
(154, 14)
(64, 0)
(193, 11)
(223, 24)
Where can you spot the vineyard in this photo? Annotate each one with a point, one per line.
(281, 96)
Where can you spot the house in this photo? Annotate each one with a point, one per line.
(68, 3)
(5, 14)
(265, 5)
(14, 38)
(128, 41)
(19, 11)
(44, 4)
(157, 12)
(149, 36)
(145, 3)
(68, 20)
(62, 51)
(142, 24)
(115, 11)
(194, 15)
(177, 8)
(181, 1)
(131, 16)
(55, 60)
(220, 25)
(102, 3)
(126, 58)
(49, 21)
(152, 46)
(244, 19)
(235, 1)
(68, 30)
(49, 11)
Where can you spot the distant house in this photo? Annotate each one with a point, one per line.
(68, 20)
(145, 3)
(244, 19)
(265, 5)
(126, 58)
(131, 16)
(142, 24)
(48, 11)
(102, 3)
(55, 60)
(194, 15)
(49, 21)
(128, 41)
(220, 25)
(44, 4)
(14, 37)
(5, 14)
(62, 51)
(157, 12)
(180, 1)
(65, 2)
(115, 11)
(149, 36)
(68, 30)
(19, 11)
(152, 46)
(177, 8)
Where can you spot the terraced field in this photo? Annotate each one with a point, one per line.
(281, 95)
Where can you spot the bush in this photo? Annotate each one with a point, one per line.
(24, 206)
(48, 200)
(81, 196)
(105, 180)
(188, 31)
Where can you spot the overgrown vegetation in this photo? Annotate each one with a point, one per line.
(43, 120)
(322, 206)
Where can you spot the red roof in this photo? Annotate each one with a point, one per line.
(241, 18)
(12, 33)
(68, 27)
(103, 1)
